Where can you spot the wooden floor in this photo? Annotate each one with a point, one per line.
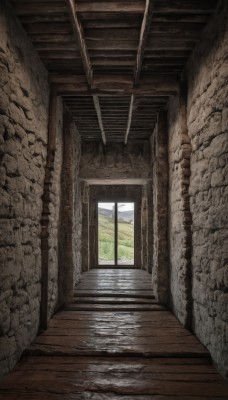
(115, 342)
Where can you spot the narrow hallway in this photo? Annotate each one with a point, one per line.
(114, 342)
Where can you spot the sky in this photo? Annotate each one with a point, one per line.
(121, 206)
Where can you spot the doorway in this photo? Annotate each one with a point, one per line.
(116, 236)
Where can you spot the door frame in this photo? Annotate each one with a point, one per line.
(114, 193)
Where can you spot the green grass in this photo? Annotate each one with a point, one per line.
(106, 240)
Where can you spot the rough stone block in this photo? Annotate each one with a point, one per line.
(10, 164)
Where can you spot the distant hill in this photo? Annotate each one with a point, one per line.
(106, 213)
(126, 216)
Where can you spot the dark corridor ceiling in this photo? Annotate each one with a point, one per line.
(114, 62)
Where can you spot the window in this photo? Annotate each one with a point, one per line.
(116, 234)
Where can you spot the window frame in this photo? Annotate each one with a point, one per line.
(115, 265)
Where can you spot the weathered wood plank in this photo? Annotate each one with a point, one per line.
(153, 89)
(115, 355)
(111, 292)
(156, 41)
(95, 396)
(130, 112)
(120, 364)
(76, 341)
(104, 38)
(149, 7)
(79, 33)
(112, 6)
(165, 350)
(113, 307)
(75, 383)
(99, 117)
(20, 379)
(174, 6)
(110, 20)
(71, 330)
(112, 300)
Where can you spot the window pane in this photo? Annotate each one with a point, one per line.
(125, 233)
(106, 233)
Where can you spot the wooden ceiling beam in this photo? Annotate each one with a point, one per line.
(79, 33)
(105, 80)
(142, 39)
(138, 7)
(114, 7)
(130, 112)
(151, 90)
(80, 37)
(99, 117)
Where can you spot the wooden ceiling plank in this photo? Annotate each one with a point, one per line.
(142, 39)
(47, 42)
(115, 7)
(138, 7)
(79, 34)
(111, 6)
(129, 119)
(99, 117)
(123, 34)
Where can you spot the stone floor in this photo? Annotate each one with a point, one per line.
(114, 342)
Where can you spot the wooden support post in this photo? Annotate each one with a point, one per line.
(85, 227)
(150, 225)
(144, 228)
(51, 146)
(116, 233)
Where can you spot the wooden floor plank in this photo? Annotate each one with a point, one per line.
(139, 294)
(75, 383)
(113, 307)
(113, 342)
(98, 396)
(103, 332)
(112, 300)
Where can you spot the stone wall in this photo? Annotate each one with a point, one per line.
(71, 217)
(115, 162)
(179, 150)
(77, 206)
(54, 216)
(160, 273)
(24, 97)
(208, 130)
(144, 229)
(199, 270)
